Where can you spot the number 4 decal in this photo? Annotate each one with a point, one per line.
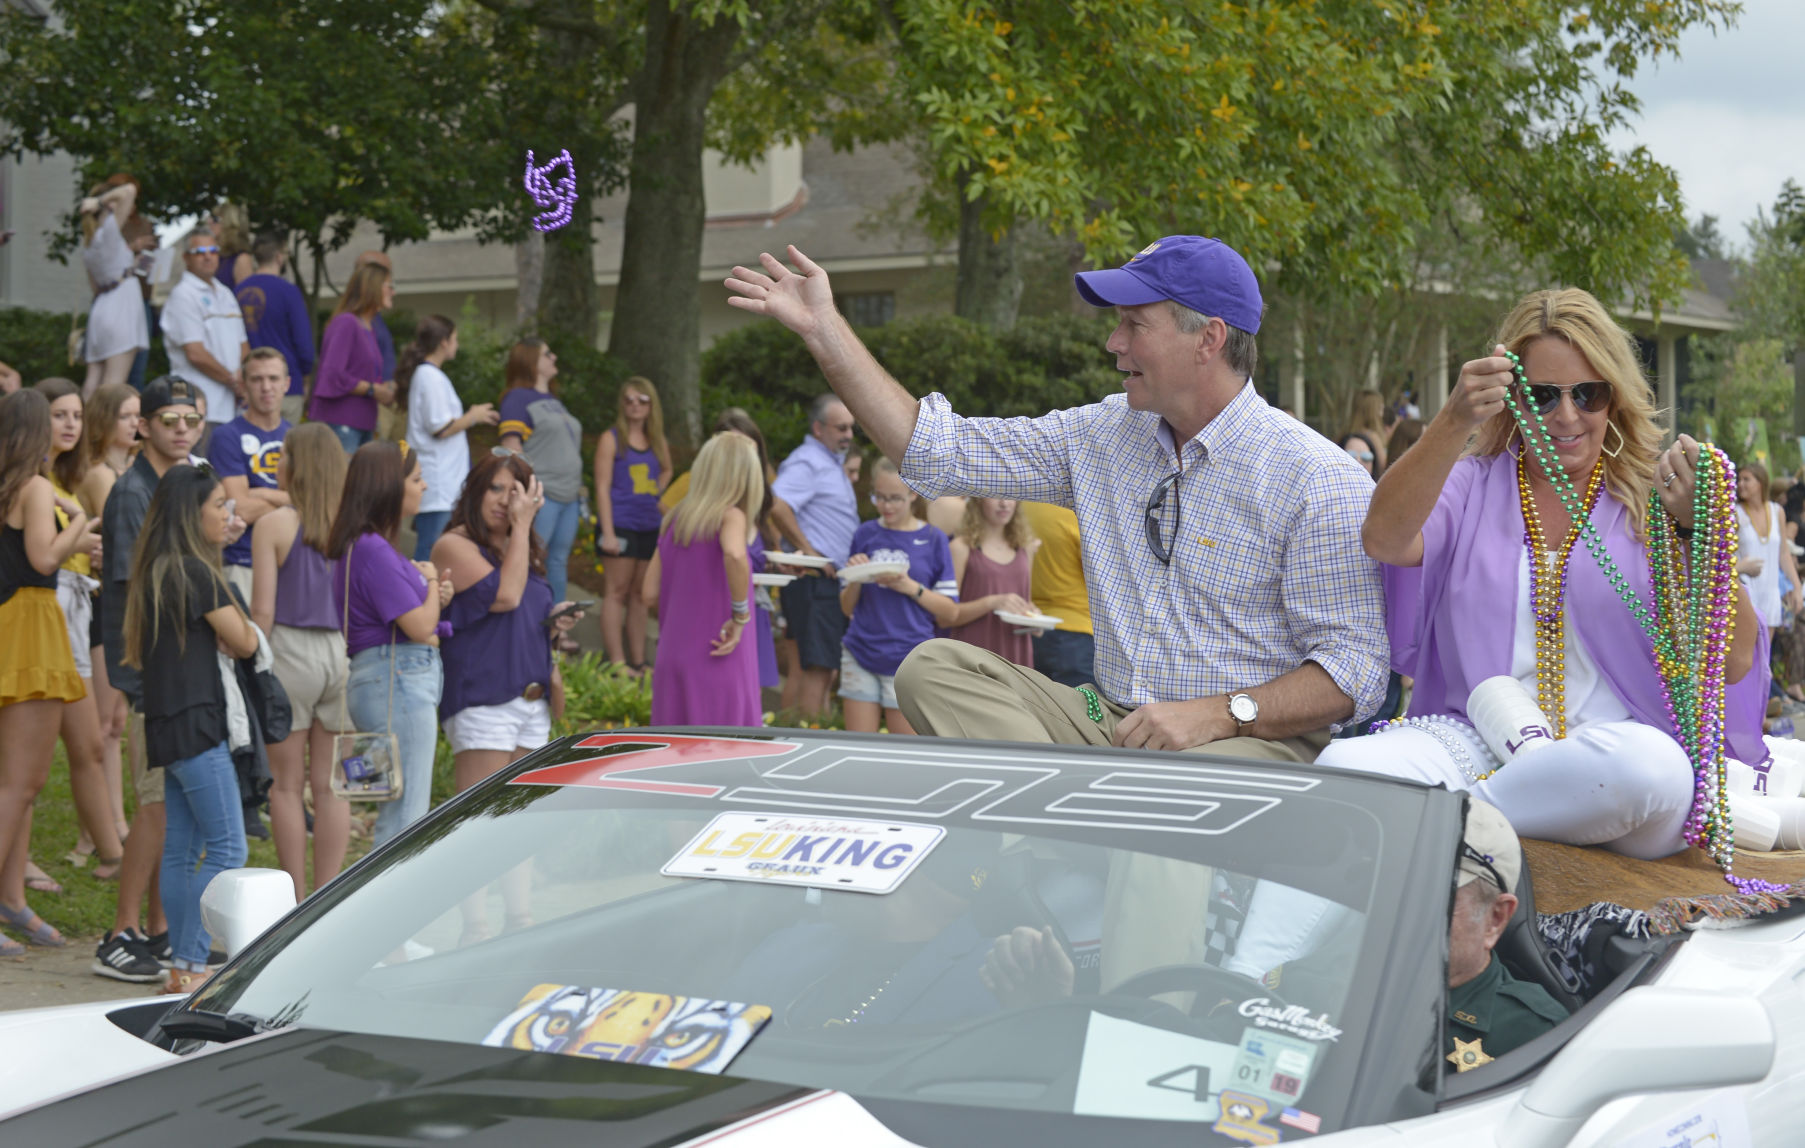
(1197, 1075)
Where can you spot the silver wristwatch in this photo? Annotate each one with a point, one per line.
(1244, 710)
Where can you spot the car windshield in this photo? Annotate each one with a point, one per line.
(826, 913)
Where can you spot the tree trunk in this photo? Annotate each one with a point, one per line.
(657, 314)
(989, 290)
(529, 273)
(568, 302)
(567, 296)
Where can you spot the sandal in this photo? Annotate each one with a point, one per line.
(42, 882)
(77, 858)
(108, 869)
(39, 933)
(181, 982)
(10, 947)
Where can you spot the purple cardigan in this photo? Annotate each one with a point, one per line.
(1452, 620)
(348, 356)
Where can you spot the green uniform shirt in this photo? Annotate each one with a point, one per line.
(1494, 1013)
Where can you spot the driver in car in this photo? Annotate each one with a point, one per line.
(1490, 1012)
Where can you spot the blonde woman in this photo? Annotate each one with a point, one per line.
(291, 601)
(635, 461)
(1448, 525)
(705, 675)
(117, 329)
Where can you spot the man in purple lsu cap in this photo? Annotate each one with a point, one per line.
(1234, 607)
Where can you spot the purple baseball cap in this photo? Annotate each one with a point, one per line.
(1206, 275)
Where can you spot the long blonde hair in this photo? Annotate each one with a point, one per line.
(654, 420)
(1016, 532)
(726, 474)
(1579, 318)
(314, 464)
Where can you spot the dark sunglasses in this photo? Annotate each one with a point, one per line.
(192, 419)
(1467, 852)
(1590, 397)
(1156, 533)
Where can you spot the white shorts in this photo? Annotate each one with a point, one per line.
(857, 684)
(517, 724)
(72, 594)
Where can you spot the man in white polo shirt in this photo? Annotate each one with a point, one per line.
(203, 329)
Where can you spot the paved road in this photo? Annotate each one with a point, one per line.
(45, 977)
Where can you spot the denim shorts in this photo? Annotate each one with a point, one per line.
(857, 684)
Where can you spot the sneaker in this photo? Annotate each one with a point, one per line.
(158, 946)
(124, 957)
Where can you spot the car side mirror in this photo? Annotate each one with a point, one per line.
(240, 904)
(1637, 1044)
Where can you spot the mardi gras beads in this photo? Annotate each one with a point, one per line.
(1689, 625)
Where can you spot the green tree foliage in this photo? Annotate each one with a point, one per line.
(1771, 289)
(314, 114)
(1323, 138)
(1041, 364)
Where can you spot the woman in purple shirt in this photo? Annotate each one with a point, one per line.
(389, 608)
(291, 600)
(632, 457)
(502, 685)
(1450, 527)
(348, 382)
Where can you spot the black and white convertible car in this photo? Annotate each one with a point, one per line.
(652, 937)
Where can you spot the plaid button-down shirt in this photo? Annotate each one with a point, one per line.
(1267, 571)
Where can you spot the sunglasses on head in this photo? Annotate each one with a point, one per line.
(1484, 862)
(191, 419)
(1590, 397)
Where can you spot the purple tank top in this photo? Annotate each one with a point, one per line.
(633, 490)
(304, 589)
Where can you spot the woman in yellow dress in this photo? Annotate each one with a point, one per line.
(37, 665)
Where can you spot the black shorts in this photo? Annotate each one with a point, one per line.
(811, 608)
(641, 544)
(94, 638)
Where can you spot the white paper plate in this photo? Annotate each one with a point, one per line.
(866, 571)
(773, 580)
(789, 559)
(1029, 621)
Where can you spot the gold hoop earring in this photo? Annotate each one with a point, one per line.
(1515, 439)
(1620, 442)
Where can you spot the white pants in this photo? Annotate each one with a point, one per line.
(1620, 784)
(1623, 785)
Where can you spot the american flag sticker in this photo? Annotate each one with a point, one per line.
(1307, 1121)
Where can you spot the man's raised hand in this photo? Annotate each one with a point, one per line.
(800, 299)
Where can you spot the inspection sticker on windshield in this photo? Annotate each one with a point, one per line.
(820, 852)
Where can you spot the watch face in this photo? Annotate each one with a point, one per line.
(1243, 708)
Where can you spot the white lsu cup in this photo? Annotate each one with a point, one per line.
(1507, 718)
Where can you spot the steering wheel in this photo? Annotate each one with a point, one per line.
(1211, 984)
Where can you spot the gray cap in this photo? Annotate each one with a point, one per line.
(1489, 848)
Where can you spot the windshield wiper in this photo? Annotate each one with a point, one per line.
(199, 1024)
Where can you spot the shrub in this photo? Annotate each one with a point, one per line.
(36, 344)
(1042, 364)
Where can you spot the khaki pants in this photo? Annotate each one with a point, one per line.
(293, 408)
(951, 689)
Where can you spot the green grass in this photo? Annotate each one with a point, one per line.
(599, 696)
